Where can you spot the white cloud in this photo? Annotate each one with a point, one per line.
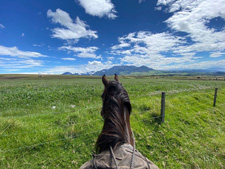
(165, 50)
(89, 67)
(39, 45)
(19, 59)
(99, 8)
(61, 69)
(159, 8)
(146, 43)
(22, 34)
(175, 5)
(110, 58)
(164, 2)
(217, 54)
(72, 30)
(199, 65)
(88, 52)
(15, 52)
(193, 18)
(71, 59)
(140, 1)
(2, 26)
(156, 61)
(168, 63)
(121, 45)
(29, 63)
(19, 63)
(145, 48)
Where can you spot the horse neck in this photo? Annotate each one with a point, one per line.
(116, 131)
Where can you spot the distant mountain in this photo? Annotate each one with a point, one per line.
(85, 74)
(191, 71)
(146, 71)
(122, 70)
(67, 73)
(219, 73)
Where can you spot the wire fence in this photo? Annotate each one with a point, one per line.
(149, 94)
(182, 90)
(77, 135)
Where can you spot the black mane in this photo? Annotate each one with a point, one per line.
(116, 111)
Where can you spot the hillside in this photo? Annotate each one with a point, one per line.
(146, 71)
(123, 70)
(120, 70)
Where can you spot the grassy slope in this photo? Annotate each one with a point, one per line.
(36, 134)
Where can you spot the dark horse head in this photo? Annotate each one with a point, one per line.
(116, 111)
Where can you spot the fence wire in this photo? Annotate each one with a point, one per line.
(31, 146)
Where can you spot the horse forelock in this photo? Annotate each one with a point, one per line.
(115, 97)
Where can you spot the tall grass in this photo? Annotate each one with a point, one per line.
(53, 122)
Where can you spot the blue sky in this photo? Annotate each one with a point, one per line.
(55, 36)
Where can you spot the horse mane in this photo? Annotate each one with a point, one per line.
(116, 111)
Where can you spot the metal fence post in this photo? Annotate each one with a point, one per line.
(215, 95)
(163, 107)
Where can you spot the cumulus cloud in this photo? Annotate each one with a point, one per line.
(199, 65)
(61, 69)
(145, 48)
(18, 63)
(170, 50)
(89, 67)
(71, 30)
(15, 52)
(145, 42)
(175, 5)
(217, 54)
(193, 18)
(19, 59)
(122, 44)
(99, 8)
(156, 61)
(88, 52)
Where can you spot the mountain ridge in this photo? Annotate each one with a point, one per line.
(144, 70)
(122, 70)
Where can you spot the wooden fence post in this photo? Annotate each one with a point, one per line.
(163, 107)
(215, 95)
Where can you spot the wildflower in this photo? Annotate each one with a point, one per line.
(72, 106)
(53, 107)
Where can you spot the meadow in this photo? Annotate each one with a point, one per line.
(54, 121)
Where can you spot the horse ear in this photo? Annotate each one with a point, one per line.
(116, 78)
(104, 80)
(128, 105)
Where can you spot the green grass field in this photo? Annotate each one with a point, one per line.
(54, 121)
